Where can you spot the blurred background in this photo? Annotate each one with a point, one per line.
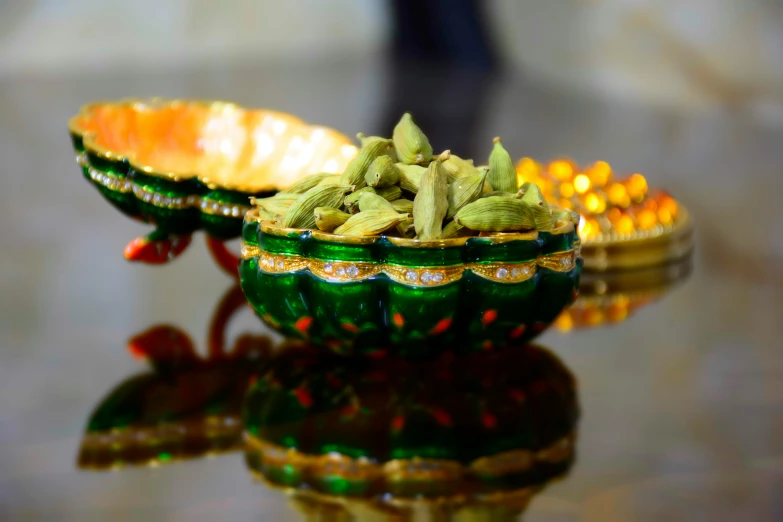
(687, 92)
(695, 53)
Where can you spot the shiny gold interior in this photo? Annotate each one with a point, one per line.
(222, 144)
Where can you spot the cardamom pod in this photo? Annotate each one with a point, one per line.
(457, 167)
(369, 201)
(352, 199)
(370, 223)
(559, 214)
(502, 175)
(328, 218)
(411, 144)
(264, 215)
(382, 172)
(306, 183)
(496, 214)
(407, 228)
(276, 205)
(452, 229)
(465, 190)
(532, 195)
(501, 194)
(334, 179)
(302, 212)
(366, 140)
(403, 205)
(389, 193)
(354, 172)
(410, 176)
(431, 202)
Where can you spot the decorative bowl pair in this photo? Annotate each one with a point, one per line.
(187, 165)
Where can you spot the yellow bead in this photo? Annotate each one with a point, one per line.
(646, 219)
(565, 203)
(528, 168)
(562, 169)
(618, 195)
(581, 183)
(595, 203)
(600, 174)
(624, 225)
(637, 187)
(664, 216)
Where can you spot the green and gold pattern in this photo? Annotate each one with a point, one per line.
(480, 427)
(349, 271)
(370, 294)
(188, 165)
(178, 210)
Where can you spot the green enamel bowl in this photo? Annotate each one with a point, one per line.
(484, 425)
(416, 298)
(185, 165)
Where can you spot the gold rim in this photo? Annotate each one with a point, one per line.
(683, 224)
(399, 470)
(90, 144)
(389, 506)
(356, 271)
(635, 253)
(271, 228)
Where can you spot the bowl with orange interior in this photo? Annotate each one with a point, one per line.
(186, 165)
(410, 251)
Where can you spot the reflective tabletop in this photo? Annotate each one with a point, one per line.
(676, 376)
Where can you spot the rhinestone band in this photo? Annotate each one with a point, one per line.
(111, 181)
(346, 271)
(505, 272)
(560, 262)
(147, 195)
(274, 264)
(434, 276)
(150, 196)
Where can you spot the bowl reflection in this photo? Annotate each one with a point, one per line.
(185, 406)
(485, 431)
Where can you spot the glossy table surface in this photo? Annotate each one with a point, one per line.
(681, 404)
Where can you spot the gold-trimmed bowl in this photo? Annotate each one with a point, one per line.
(417, 298)
(187, 165)
(625, 224)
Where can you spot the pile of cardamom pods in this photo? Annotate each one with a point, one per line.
(398, 188)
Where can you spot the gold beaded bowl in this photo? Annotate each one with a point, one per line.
(625, 225)
(187, 165)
